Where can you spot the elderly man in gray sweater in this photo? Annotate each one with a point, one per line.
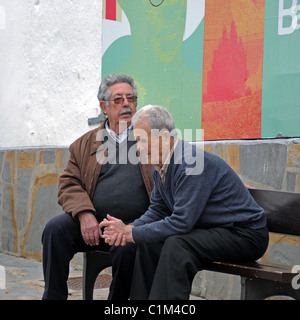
(200, 211)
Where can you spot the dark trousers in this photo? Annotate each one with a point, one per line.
(61, 240)
(165, 270)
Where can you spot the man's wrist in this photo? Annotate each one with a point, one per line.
(83, 213)
(129, 237)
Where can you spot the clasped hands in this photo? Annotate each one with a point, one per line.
(116, 232)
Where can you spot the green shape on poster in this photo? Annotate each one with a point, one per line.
(167, 70)
(281, 73)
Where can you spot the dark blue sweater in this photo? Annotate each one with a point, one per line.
(213, 197)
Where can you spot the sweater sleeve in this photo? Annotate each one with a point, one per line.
(191, 194)
(156, 211)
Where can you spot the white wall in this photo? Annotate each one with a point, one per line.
(50, 70)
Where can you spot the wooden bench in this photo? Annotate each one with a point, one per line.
(259, 280)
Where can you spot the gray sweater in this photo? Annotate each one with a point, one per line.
(194, 198)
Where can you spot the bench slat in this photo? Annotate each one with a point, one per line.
(257, 270)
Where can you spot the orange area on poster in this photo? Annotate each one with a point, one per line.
(232, 69)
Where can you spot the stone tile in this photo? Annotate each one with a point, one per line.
(22, 191)
(264, 163)
(66, 155)
(49, 156)
(290, 181)
(8, 224)
(233, 157)
(284, 253)
(6, 175)
(26, 160)
(2, 156)
(45, 207)
(297, 163)
(294, 155)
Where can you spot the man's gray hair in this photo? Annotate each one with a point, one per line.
(157, 116)
(104, 91)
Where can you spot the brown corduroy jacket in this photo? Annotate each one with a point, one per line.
(78, 181)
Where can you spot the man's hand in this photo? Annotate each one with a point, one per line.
(116, 232)
(89, 227)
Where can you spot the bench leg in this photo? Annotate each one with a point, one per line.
(259, 289)
(93, 264)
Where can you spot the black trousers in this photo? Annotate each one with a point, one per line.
(61, 240)
(165, 270)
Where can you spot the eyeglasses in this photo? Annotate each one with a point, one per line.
(119, 100)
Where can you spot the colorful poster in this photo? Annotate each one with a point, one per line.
(229, 67)
(160, 44)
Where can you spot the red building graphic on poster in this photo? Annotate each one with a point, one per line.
(232, 69)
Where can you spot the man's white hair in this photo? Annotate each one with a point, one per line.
(158, 118)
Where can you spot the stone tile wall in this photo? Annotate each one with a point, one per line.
(28, 198)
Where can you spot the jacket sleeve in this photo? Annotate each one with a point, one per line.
(72, 195)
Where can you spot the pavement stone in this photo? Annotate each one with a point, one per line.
(24, 280)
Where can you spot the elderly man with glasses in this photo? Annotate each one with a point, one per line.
(95, 182)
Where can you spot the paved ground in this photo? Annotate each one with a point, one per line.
(24, 280)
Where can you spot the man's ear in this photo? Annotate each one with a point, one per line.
(103, 107)
(166, 136)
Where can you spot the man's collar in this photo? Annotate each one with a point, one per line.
(98, 136)
(118, 138)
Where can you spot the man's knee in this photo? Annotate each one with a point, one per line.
(178, 251)
(175, 242)
(56, 227)
(49, 229)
